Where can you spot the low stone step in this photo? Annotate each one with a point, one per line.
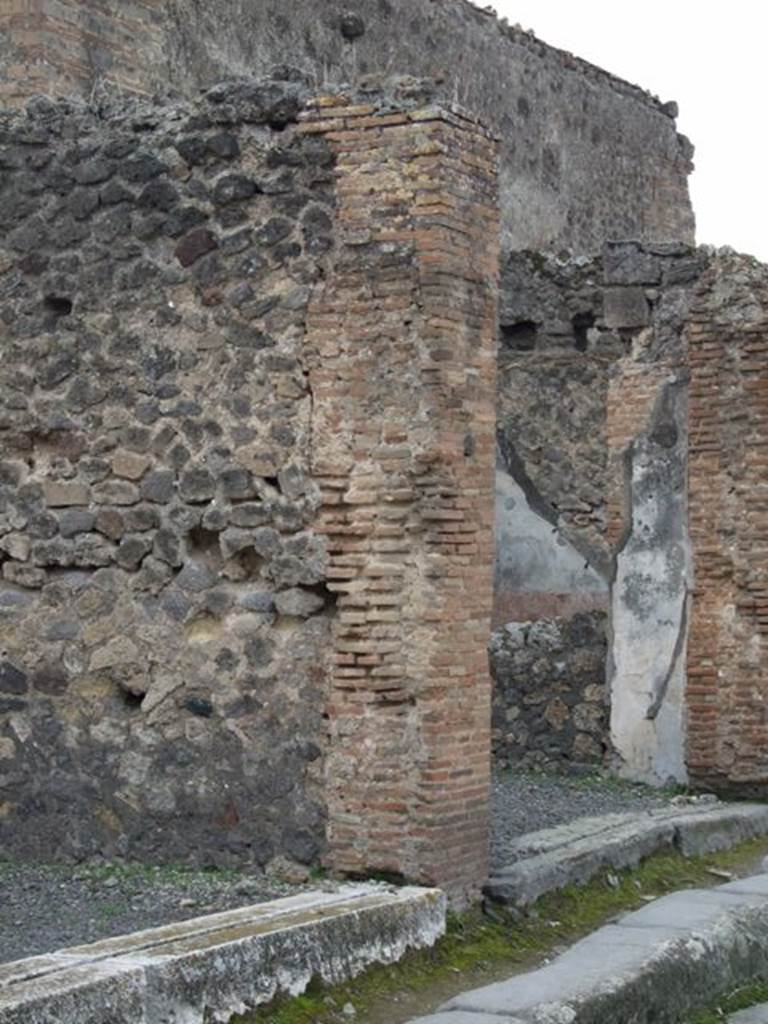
(544, 861)
(665, 962)
(211, 967)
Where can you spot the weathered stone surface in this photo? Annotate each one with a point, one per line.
(754, 1015)
(237, 484)
(551, 859)
(197, 485)
(673, 957)
(59, 494)
(24, 575)
(158, 486)
(130, 465)
(298, 602)
(116, 492)
(550, 703)
(626, 308)
(194, 245)
(629, 263)
(17, 546)
(76, 521)
(116, 652)
(127, 436)
(223, 964)
(624, 141)
(462, 1017)
(12, 679)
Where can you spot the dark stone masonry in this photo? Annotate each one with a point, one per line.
(338, 343)
(214, 514)
(550, 708)
(163, 603)
(585, 156)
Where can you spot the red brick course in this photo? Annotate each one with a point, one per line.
(60, 45)
(727, 689)
(403, 381)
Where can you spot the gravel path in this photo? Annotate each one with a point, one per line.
(47, 908)
(526, 802)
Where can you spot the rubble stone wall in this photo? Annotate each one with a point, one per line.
(586, 156)
(550, 702)
(189, 467)
(163, 598)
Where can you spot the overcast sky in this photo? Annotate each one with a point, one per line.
(710, 57)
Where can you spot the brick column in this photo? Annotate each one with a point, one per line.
(403, 340)
(727, 691)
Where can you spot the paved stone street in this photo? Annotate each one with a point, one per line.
(664, 962)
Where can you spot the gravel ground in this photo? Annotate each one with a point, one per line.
(47, 908)
(526, 802)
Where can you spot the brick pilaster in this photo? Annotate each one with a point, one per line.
(403, 340)
(727, 692)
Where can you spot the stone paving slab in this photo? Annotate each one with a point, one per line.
(215, 966)
(572, 854)
(757, 885)
(662, 962)
(754, 1015)
(688, 909)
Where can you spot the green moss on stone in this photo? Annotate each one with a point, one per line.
(741, 999)
(477, 949)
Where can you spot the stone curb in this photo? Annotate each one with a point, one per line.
(544, 861)
(212, 967)
(672, 958)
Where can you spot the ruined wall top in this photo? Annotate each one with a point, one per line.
(586, 156)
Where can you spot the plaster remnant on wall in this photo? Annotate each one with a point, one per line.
(534, 562)
(649, 599)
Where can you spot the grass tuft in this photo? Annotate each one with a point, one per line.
(741, 999)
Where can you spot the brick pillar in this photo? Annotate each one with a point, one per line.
(403, 336)
(727, 691)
